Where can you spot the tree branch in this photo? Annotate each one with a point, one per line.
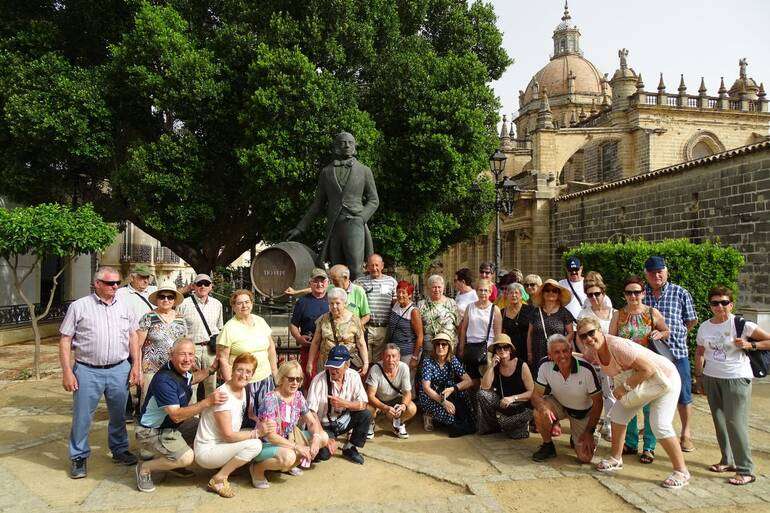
(53, 288)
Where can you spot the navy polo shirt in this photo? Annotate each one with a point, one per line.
(167, 388)
(306, 311)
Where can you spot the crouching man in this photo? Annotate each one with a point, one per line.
(390, 391)
(338, 397)
(164, 410)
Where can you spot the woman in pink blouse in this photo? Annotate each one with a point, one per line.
(632, 364)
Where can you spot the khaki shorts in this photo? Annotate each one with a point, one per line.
(577, 426)
(168, 443)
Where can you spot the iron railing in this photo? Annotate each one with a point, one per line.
(18, 315)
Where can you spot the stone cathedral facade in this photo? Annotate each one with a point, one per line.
(603, 157)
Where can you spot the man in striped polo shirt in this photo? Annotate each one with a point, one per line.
(101, 329)
(381, 292)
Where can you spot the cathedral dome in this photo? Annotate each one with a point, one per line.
(554, 78)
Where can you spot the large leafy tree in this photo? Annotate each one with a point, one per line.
(48, 230)
(205, 122)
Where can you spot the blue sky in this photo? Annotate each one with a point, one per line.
(694, 37)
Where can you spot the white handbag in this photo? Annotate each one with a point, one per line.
(645, 392)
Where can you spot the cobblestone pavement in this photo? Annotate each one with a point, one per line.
(428, 472)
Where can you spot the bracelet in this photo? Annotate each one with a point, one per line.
(628, 388)
(515, 398)
(316, 435)
(212, 371)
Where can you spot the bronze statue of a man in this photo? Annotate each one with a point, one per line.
(346, 188)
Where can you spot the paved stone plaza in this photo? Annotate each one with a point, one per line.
(428, 472)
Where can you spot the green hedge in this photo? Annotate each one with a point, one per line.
(696, 267)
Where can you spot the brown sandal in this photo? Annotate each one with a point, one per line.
(719, 468)
(647, 457)
(222, 489)
(629, 450)
(741, 479)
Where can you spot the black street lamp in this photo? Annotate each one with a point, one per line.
(506, 194)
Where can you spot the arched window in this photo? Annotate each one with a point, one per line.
(701, 145)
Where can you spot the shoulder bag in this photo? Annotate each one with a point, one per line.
(759, 358)
(476, 354)
(146, 302)
(643, 393)
(212, 343)
(394, 387)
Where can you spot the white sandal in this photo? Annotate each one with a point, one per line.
(295, 471)
(609, 465)
(676, 480)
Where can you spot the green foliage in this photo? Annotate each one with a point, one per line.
(206, 123)
(696, 267)
(52, 229)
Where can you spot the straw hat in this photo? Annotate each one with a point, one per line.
(565, 296)
(166, 287)
(501, 340)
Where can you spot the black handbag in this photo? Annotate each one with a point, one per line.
(212, 343)
(759, 358)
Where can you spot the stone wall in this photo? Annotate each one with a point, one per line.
(725, 197)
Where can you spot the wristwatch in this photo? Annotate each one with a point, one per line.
(753, 345)
(212, 371)
(628, 388)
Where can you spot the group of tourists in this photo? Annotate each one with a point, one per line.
(517, 355)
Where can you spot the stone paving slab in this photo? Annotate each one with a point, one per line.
(429, 472)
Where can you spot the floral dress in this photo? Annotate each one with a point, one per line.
(636, 327)
(438, 317)
(286, 416)
(441, 377)
(161, 335)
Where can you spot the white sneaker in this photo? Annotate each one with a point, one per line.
(427, 422)
(370, 433)
(399, 429)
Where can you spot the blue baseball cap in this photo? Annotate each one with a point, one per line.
(573, 263)
(655, 263)
(338, 356)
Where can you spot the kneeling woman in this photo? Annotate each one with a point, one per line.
(505, 391)
(287, 445)
(220, 442)
(442, 394)
(648, 378)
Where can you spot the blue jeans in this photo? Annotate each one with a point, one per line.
(92, 385)
(632, 432)
(683, 368)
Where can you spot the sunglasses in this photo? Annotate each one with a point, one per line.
(723, 302)
(485, 272)
(530, 284)
(294, 379)
(587, 334)
(441, 344)
(111, 283)
(550, 291)
(594, 294)
(203, 283)
(633, 292)
(167, 297)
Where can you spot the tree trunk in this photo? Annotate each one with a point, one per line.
(38, 342)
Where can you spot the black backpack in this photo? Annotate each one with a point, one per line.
(759, 358)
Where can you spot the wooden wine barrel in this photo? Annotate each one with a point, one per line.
(287, 264)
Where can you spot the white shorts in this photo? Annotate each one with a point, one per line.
(215, 455)
(662, 411)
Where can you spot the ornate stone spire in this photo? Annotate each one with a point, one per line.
(594, 110)
(661, 85)
(761, 94)
(504, 129)
(742, 64)
(722, 89)
(639, 83)
(566, 36)
(544, 116)
(573, 119)
(682, 88)
(702, 89)
(582, 114)
(511, 133)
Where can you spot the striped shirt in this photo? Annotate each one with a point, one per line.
(212, 311)
(381, 293)
(677, 308)
(138, 302)
(100, 332)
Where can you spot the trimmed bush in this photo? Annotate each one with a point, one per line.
(696, 267)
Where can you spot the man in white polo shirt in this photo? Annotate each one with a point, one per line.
(566, 387)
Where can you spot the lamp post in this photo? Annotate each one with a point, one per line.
(506, 192)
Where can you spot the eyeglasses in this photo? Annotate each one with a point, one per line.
(294, 379)
(202, 283)
(723, 302)
(167, 297)
(633, 292)
(485, 272)
(243, 303)
(110, 283)
(587, 334)
(550, 291)
(594, 294)
(530, 285)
